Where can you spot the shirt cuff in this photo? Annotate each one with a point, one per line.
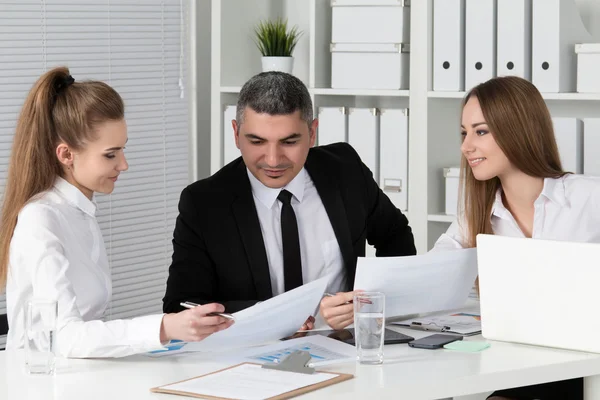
(146, 334)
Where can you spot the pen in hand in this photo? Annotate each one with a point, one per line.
(363, 301)
(189, 304)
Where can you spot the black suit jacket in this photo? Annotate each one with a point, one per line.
(218, 249)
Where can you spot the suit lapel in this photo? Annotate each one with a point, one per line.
(244, 211)
(329, 192)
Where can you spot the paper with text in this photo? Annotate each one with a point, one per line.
(248, 382)
(268, 321)
(419, 284)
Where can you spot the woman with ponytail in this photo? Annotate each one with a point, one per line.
(68, 145)
(513, 184)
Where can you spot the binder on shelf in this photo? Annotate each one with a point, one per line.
(449, 45)
(362, 135)
(569, 138)
(370, 23)
(393, 155)
(591, 138)
(230, 150)
(556, 28)
(332, 125)
(480, 41)
(514, 38)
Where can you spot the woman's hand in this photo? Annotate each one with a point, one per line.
(194, 324)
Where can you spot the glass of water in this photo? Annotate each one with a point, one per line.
(369, 326)
(40, 336)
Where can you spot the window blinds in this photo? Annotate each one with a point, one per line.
(138, 47)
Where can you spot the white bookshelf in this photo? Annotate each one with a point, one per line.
(434, 119)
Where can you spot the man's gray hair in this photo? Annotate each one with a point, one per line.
(275, 93)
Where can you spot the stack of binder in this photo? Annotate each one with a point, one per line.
(379, 136)
(370, 44)
(476, 40)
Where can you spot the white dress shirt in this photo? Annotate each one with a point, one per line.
(319, 249)
(57, 252)
(568, 209)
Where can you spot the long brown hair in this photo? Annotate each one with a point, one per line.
(520, 123)
(55, 111)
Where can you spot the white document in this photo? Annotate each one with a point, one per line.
(230, 150)
(362, 135)
(591, 138)
(248, 382)
(323, 351)
(480, 42)
(268, 321)
(418, 284)
(393, 155)
(556, 28)
(332, 125)
(449, 45)
(514, 38)
(569, 138)
(464, 322)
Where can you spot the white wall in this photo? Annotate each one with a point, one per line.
(590, 15)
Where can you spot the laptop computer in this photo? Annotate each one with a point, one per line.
(540, 292)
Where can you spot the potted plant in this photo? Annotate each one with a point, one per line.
(276, 44)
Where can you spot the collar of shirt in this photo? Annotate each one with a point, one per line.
(75, 196)
(553, 190)
(267, 196)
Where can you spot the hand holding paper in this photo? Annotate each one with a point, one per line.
(419, 284)
(267, 321)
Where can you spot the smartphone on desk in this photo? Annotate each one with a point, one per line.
(347, 336)
(436, 341)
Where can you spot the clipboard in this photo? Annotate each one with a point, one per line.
(295, 363)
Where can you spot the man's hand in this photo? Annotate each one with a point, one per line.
(309, 324)
(338, 310)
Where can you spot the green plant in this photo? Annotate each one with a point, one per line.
(273, 38)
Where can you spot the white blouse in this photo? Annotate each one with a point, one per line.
(57, 252)
(568, 209)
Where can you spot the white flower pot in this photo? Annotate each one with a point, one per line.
(283, 64)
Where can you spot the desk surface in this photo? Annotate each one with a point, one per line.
(406, 373)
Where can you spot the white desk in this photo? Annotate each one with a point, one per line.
(407, 373)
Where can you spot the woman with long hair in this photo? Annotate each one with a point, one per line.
(69, 144)
(513, 184)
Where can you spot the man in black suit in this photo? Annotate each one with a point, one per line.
(284, 214)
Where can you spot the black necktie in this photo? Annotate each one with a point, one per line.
(292, 263)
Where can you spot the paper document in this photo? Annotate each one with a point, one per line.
(466, 323)
(248, 382)
(323, 351)
(418, 284)
(268, 321)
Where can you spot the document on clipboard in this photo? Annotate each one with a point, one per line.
(465, 323)
(250, 381)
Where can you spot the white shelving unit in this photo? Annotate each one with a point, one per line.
(434, 119)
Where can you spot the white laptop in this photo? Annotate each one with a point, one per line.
(540, 292)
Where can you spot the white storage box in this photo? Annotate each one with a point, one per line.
(369, 66)
(452, 182)
(369, 23)
(588, 66)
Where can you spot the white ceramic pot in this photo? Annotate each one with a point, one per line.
(283, 64)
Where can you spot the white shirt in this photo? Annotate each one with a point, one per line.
(57, 252)
(568, 209)
(319, 249)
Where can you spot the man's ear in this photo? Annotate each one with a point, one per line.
(236, 133)
(64, 155)
(313, 132)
